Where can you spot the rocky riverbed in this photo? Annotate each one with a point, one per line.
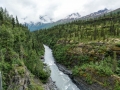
(50, 85)
(80, 81)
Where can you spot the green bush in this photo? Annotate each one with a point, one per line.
(75, 71)
(117, 86)
(103, 68)
(34, 87)
(89, 79)
(21, 70)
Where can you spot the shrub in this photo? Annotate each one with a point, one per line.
(89, 79)
(117, 86)
(75, 71)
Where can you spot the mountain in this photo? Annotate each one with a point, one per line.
(69, 18)
(90, 48)
(73, 16)
(45, 19)
(47, 22)
(96, 14)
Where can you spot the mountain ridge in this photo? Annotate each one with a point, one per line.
(47, 22)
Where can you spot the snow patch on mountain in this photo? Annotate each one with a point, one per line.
(45, 19)
(96, 14)
(73, 16)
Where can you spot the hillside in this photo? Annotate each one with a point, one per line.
(90, 48)
(20, 53)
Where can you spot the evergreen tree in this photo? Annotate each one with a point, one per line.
(13, 22)
(17, 22)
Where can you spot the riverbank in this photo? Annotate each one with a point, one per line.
(50, 85)
(62, 81)
(80, 81)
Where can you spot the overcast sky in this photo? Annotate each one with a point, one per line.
(55, 9)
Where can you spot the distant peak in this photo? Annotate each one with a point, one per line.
(73, 15)
(45, 19)
(105, 9)
(24, 18)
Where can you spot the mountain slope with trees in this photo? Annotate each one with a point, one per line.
(20, 53)
(90, 48)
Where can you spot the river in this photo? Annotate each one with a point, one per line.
(62, 81)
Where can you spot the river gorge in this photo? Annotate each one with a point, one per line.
(62, 81)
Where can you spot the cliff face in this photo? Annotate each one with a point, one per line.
(94, 65)
(20, 80)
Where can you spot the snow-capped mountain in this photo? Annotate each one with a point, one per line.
(47, 22)
(45, 19)
(96, 14)
(41, 20)
(70, 18)
(73, 16)
(100, 12)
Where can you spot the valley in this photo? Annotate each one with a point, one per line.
(86, 48)
(89, 48)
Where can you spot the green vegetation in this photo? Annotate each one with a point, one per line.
(19, 48)
(90, 48)
(102, 68)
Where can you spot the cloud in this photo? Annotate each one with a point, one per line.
(55, 9)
